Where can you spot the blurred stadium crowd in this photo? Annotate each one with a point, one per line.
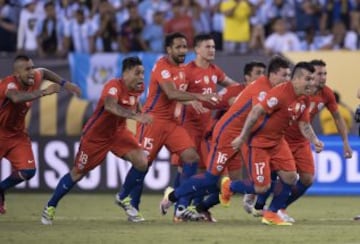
(54, 28)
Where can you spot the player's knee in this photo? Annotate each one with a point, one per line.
(190, 155)
(306, 179)
(289, 177)
(262, 189)
(27, 174)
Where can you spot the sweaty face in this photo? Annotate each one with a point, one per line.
(206, 50)
(136, 78)
(24, 71)
(320, 76)
(281, 76)
(177, 51)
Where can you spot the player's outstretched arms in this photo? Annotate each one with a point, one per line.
(53, 77)
(20, 96)
(113, 107)
(308, 132)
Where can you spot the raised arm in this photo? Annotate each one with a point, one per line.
(53, 77)
(17, 96)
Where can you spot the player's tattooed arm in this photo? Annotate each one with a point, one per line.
(308, 132)
(113, 107)
(250, 121)
(53, 77)
(21, 96)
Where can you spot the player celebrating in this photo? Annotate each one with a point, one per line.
(105, 132)
(167, 88)
(268, 150)
(300, 146)
(17, 92)
(225, 131)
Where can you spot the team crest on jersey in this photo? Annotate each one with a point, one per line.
(320, 106)
(11, 85)
(214, 79)
(260, 178)
(206, 79)
(261, 96)
(219, 168)
(272, 101)
(165, 74)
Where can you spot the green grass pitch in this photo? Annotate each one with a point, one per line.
(94, 218)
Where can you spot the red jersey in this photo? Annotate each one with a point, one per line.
(204, 81)
(157, 102)
(12, 116)
(283, 108)
(325, 97)
(233, 120)
(102, 125)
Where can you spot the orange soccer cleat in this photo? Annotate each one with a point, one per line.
(226, 193)
(271, 218)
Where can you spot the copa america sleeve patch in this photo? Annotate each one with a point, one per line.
(113, 91)
(11, 86)
(165, 74)
(272, 101)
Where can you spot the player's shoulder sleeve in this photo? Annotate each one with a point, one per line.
(274, 98)
(162, 72)
(38, 78)
(112, 89)
(219, 73)
(7, 84)
(330, 104)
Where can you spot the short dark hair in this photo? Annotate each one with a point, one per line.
(251, 65)
(49, 4)
(130, 62)
(317, 62)
(277, 63)
(21, 57)
(169, 39)
(297, 71)
(202, 37)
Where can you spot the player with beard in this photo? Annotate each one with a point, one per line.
(17, 92)
(168, 86)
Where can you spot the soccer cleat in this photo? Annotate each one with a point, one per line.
(257, 212)
(284, 215)
(271, 218)
(225, 194)
(186, 214)
(2, 203)
(357, 217)
(137, 218)
(48, 215)
(249, 201)
(165, 203)
(125, 204)
(207, 216)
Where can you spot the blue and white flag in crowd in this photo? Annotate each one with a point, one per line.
(91, 72)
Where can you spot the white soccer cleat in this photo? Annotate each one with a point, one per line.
(187, 214)
(165, 203)
(249, 201)
(48, 215)
(125, 204)
(284, 216)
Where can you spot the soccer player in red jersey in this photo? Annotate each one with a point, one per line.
(168, 86)
(268, 151)
(106, 131)
(228, 127)
(300, 146)
(17, 91)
